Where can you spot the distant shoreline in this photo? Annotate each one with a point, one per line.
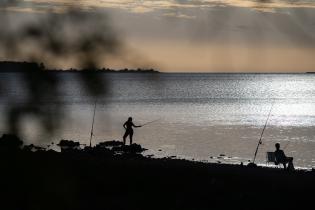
(22, 66)
(12, 66)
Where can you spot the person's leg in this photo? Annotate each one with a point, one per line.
(290, 163)
(125, 136)
(284, 165)
(130, 136)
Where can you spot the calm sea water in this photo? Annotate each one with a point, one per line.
(199, 116)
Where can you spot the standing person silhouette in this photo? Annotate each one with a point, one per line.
(129, 131)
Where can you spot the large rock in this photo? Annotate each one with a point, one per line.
(68, 145)
(10, 142)
(106, 144)
(134, 148)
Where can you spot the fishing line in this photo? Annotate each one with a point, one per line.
(150, 122)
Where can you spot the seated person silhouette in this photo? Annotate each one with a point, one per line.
(129, 131)
(282, 158)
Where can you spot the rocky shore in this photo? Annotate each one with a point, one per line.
(113, 176)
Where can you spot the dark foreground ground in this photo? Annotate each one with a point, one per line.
(98, 179)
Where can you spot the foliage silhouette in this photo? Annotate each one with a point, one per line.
(85, 39)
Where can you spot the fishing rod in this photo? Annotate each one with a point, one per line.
(150, 122)
(92, 129)
(262, 133)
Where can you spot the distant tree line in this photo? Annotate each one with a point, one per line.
(12, 66)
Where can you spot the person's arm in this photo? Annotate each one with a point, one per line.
(125, 125)
(136, 126)
(282, 154)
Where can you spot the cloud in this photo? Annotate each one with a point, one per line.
(141, 9)
(202, 23)
(144, 6)
(269, 5)
(178, 15)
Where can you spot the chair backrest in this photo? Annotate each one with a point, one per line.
(270, 157)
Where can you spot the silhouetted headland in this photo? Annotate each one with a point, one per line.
(10, 66)
(111, 175)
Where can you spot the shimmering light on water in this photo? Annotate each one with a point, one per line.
(200, 115)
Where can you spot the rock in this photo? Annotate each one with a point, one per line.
(10, 142)
(134, 148)
(251, 165)
(33, 148)
(110, 143)
(68, 145)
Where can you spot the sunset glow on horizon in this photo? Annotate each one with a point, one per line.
(191, 36)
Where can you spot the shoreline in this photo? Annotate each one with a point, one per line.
(110, 176)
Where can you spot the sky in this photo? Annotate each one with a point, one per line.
(192, 35)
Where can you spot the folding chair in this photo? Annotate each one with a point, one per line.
(271, 158)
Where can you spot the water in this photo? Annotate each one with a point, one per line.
(200, 116)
